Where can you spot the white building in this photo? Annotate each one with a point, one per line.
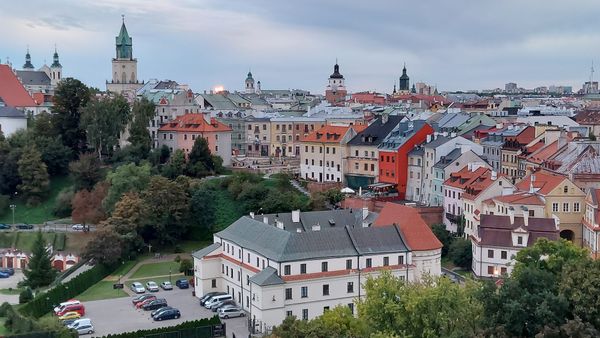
(500, 238)
(11, 120)
(302, 264)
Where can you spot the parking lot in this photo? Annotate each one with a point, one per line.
(118, 315)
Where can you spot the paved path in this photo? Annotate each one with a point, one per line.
(80, 270)
(299, 187)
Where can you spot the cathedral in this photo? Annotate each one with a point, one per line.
(124, 66)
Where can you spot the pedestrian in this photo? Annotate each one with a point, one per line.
(233, 335)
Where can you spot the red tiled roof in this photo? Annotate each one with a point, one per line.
(417, 233)
(544, 182)
(521, 198)
(543, 153)
(194, 123)
(526, 135)
(12, 91)
(331, 134)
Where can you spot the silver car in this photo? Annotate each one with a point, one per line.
(230, 312)
(85, 329)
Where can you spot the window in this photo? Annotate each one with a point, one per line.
(400, 260)
(503, 254)
(490, 270)
(289, 313)
(249, 127)
(247, 279)
(288, 293)
(302, 268)
(350, 287)
(351, 307)
(304, 314)
(554, 207)
(348, 264)
(490, 253)
(503, 271)
(213, 283)
(531, 213)
(325, 309)
(248, 257)
(565, 189)
(369, 262)
(356, 166)
(304, 292)
(257, 262)
(565, 207)
(520, 240)
(325, 289)
(287, 269)
(366, 166)
(576, 207)
(323, 266)
(333, 150)
(386, 261)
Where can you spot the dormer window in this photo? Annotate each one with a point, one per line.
(520, 240)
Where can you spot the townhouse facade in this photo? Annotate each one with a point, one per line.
(288, 132)
(514, 141)
(258, 136)
(182, 132)
(591, 223)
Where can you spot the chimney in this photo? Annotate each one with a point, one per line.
(531, 188)
(498, 125)
(470, 166)
(298, 230)
(453, 135)
(251, 215)
(365, 212)
(511, 214)
(384, 118)
(365, 224)
(265, 220)
(280, 225)
(428, 138)
(525, 215)
(296, 216)
(494, 175)
(316, 227)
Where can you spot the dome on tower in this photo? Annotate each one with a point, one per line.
(336, 72)
(28, 64)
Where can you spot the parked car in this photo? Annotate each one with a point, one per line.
(141, 298)
(79, 308)
(137, 287)
(69, 315)
(166, 286)
(216, 299)
(182, 283)
(207, 296)
(221, 304)
(9, 271)
(4, 226)
(4, 274)
(147, 301)
(152, 286)
(155, 304)
(85, 329)
(68, 322)
(230, 312)
(58, 308)
(78, 227)
(24, 226)
(79, 323)
(168, 314)
(159, 310)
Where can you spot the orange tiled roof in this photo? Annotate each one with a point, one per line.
(12, 91)
(331, 134)
(543, 153)
(194, 123)
(521, 198)
(417, 233)
(544, 182)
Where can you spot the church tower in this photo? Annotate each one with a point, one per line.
(55, 69)
(124, 65)
(28, 65)
(336, 92)
(404, 82)
(250, 84)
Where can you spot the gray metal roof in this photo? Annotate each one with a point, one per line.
(268, 276)
(203, 252)
(33, 77)
(374, 134)
(448, 159)
(326, 218)
(333, 241)
(11, 112)
(438, 141)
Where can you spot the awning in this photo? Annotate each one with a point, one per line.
(347, 190)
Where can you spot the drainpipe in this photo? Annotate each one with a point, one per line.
(242, 278)
(406, 263)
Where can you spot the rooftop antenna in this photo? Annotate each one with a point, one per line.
(123, 17)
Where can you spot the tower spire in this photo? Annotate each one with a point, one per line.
(28, 64)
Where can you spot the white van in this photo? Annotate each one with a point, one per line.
(209, 303)
(80, 322)
(61, 306)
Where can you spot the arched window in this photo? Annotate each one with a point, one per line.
(124, 78)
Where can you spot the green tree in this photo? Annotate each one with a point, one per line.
(127, 220)
(444, 236)
(55, 155)
(550, 256)
(580, 285)
(62, 205)
(126, 178)
(87, 205)
(202, 212)
(185, 265)
(105, 247)
(9, 171)
(69, 97)
(139, 136)
(200, 161)
(176, 165)
(39, 271)
(167, 222)
(435, 307)
(43, 126)
(334, 196)
(461, 253)
(34, 176)
(104, 119)
(85, 172)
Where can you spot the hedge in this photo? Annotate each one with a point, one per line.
(59, 241)
(44, 301)
(172, 330)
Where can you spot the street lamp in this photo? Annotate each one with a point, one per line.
(169, 274)
(13, 207)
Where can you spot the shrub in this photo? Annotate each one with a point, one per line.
(178, 249)
(25, 296)
(62, 205)
(185, 265)
(461, 253)
(177, 259)
(182, 330)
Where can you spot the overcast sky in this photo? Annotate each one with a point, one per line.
(455, 44)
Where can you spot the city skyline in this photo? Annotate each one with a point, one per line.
(210, 43)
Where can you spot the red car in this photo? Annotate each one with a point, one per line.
(146, 301)
(79, 308)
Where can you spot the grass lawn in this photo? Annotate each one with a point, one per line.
(102, 290)
(7, 239)
(76, 241)
(155, 269)
(25, 240)
(228, 210)
(3, 329)
(40, 213)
